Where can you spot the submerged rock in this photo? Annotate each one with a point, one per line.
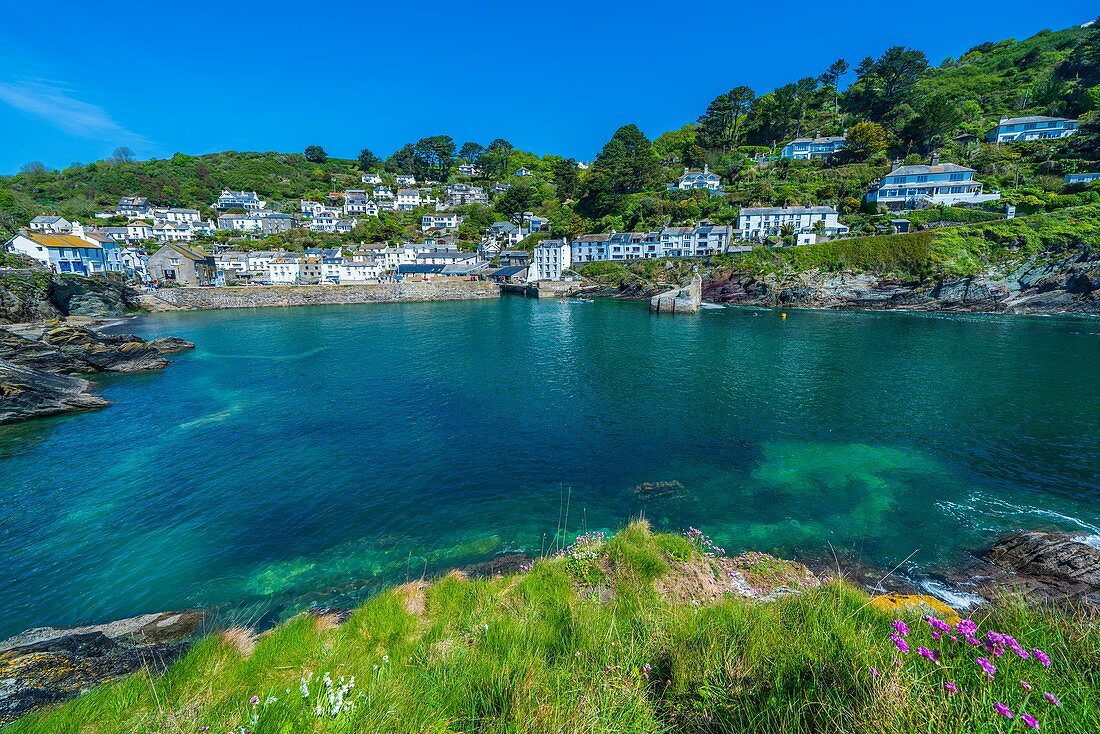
(658, 490)
(46, 665)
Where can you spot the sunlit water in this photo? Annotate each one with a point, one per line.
(312, 454)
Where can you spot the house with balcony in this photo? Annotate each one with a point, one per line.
(176, 215)
(371, 178)
(406, 179)
(408, 200)
(757, 223)
(590, 248)
(244, 200)
(440, 220)
(808, 149)
(468, 169)
(464, 194)
(255, 223)
(550, 259)
(634, 245)
(940, 184)
(1082, 178)
(1034, 127)
(692, 180)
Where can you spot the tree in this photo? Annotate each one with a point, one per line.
(471, 152)
(315, 154)
(865, 139)
(518, 199)
(884, 84)
(566, 179)
(368, 160)
(693, 155)
(433, 157)
(936, 118)
(625, 165)
(494, 161)
(402, 160)
(122, 155)
(720, 125)
(830, 78)
(33, 168)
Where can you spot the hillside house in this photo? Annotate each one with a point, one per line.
(805, 149)
(134, 207)
(692, 180)
(756, 223)
(440, 221)
(947, 184)
(1034, 127)
(551, 258)
(371, 178)
(51, 225)
(243, 200)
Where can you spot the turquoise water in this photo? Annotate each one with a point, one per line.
(311, 454)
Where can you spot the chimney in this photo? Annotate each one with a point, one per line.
(934, 159)
(706, 168)
(685, 170)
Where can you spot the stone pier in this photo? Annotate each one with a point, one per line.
(679, 300)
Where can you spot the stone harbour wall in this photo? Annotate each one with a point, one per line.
(321, 295)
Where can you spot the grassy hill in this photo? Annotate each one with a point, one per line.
(627, 634)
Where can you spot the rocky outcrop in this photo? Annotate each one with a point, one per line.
(1062, 283)
(679, 300)
(29, 393)
(1049, 565)
(46, 665)
(37, 376)
(33, 295)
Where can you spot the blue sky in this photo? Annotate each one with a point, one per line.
(78, 79)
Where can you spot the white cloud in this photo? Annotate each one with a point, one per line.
(55, 106)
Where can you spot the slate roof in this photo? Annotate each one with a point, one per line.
(753, 210)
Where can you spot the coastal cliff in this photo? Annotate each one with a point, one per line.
(33, 295)
(636, 631)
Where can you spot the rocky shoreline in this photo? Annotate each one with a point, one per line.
(41, 368)
(48, 665)
(1045, 284)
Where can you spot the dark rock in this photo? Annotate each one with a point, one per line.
(29, 393)
(97, 297)
(1051, 565)
(38, 355)
(47, 665)
(499, 566)
(171, 345)
(106, 352)
(658, 490)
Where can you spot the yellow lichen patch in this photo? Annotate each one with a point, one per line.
(922, 603)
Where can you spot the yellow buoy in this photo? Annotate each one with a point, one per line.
(783, 315)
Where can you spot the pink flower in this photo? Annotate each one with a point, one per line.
(950, 686)
(901, 627)
(899, 643)
(1025, 685)
(989, 668)
(1030, 721)
(1042, 657)
(874, 672)
(932, 655)
(254, 700)
(937, 623)
(1003, 710)
(1052, 699)
(966, 627)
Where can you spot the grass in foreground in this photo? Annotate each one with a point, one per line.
(586, 643)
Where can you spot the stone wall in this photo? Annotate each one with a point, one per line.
(319, 295)
(679, 300)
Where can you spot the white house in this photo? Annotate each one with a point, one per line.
(523, 172)
(51, 225)
(440, 221)
(139, 230)
(270, 223)
(370, 178)
(246, 200)
(406, 179)
(756, 223)
(468, 169)
(697, 180)
(443, 256)
(284, 269)
(257, 261)
(590, 248)
(408, 199)
(464, 194)
(357, 202)
(177, 216)
(172, 232)
(948, 184)
(1034, 127)
(382, 192)
(365, 271)
(327, 223)
(551, 259)
(701, 240)
(134, 262)
(62, 253)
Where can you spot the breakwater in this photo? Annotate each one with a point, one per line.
(325, 295)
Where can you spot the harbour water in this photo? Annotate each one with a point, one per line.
(313, 454)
